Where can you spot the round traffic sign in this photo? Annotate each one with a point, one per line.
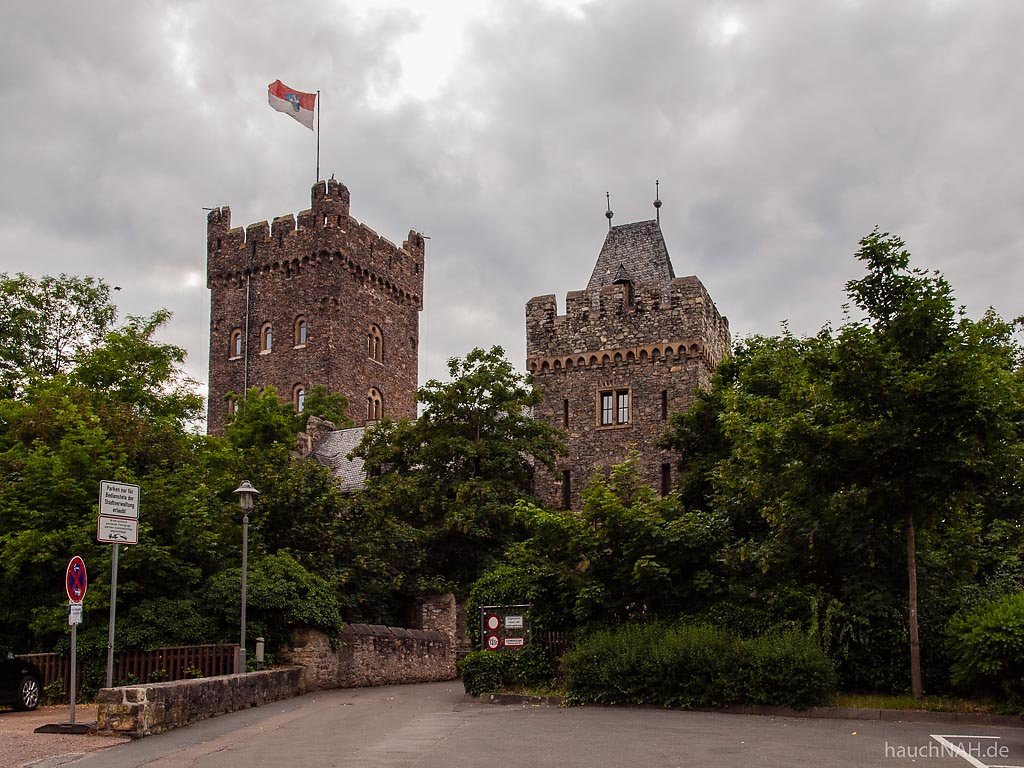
(492, 643)
(493, 622)
(76, 580)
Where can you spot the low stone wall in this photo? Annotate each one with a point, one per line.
(142, 710)
(372, 654)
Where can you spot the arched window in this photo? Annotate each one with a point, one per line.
(374, 405)
(301, 332)
(266, 337)
(232, 406)
(299, 398)
(375, 344)
(235, 345)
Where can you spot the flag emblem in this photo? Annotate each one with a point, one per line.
(295, 104)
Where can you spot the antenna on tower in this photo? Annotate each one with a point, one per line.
(657, 201)
(608, 214)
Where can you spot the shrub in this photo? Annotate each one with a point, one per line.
(987, 645)
(696, 666)
(484, 671)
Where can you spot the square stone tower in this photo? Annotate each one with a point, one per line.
(634, 347)
(314, 299)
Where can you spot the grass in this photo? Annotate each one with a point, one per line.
(927, 704)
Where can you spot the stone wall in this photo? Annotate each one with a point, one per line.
(372, 654)
(339, 277)
(143, 710)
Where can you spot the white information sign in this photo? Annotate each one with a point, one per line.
(75, 613)
(513, 622)
(117, 530)
(119, 499)
(512, 642)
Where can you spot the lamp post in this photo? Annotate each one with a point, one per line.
(246, 496)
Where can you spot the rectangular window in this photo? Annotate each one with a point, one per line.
(664, 404)
(566, 489)
(565, 413)
(622, 400)
(666, 479)
(613, 407)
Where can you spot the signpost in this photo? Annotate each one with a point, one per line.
(76, 582)
(118, 523)
(504, 627)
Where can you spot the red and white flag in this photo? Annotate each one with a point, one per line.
(293, 103)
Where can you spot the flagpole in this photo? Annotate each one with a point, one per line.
(319, 109)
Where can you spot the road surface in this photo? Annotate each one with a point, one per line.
(433, 726)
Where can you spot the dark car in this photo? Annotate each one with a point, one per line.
(21, 683)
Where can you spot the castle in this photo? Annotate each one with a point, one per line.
(314, 299)
(634, 347)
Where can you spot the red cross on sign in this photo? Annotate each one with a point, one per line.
(76, 581)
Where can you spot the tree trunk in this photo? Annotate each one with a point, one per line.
(915, 640)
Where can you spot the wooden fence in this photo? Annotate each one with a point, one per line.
(556, 643)
(172, 663)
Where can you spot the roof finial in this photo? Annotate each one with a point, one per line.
(608, 214)
(657, 201)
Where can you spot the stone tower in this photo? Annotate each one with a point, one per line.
(314, 299)
(634, 347)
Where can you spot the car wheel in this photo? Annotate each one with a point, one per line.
(28, 693)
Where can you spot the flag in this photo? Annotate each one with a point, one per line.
(293, 103)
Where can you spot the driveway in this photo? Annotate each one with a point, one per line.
(433, 726)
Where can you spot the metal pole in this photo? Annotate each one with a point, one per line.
(74, 667)
(113, 610)
(245, 568)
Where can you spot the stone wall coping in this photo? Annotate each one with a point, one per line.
(379, 630)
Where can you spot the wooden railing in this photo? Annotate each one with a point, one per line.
(158, 665)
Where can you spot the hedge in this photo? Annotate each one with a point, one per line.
(691, 666)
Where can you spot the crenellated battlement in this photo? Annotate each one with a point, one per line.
(313, 298)
(324, 235)
(621, 316)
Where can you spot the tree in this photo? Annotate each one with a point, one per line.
(942, 408)
(45, 323)
(456, 472)
(824, 452)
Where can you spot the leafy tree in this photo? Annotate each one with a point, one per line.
(325, 405)
(46, 322)
(456, 472)
(626, 555)
(824, 452)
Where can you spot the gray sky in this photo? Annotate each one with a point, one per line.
(782, 132)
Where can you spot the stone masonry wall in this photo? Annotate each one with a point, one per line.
(337, 275)
(660, 343)
(367, 654)
(144, 710)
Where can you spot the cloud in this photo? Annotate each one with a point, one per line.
(781, 132)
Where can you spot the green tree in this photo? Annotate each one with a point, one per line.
(824, 452)
(456, 472)
(46, 322)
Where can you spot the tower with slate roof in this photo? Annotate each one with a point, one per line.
(631, 349)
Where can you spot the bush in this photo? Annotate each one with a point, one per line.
(697, 666)
(488, 671)
(987, 646)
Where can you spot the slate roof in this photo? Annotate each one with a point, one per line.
(333, 452)
(639, 249)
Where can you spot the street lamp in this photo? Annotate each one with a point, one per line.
(246, 496)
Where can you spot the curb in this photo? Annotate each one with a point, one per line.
(823, 713)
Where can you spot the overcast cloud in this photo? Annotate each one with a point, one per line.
(782, 132)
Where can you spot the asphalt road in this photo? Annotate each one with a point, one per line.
(433, 726)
